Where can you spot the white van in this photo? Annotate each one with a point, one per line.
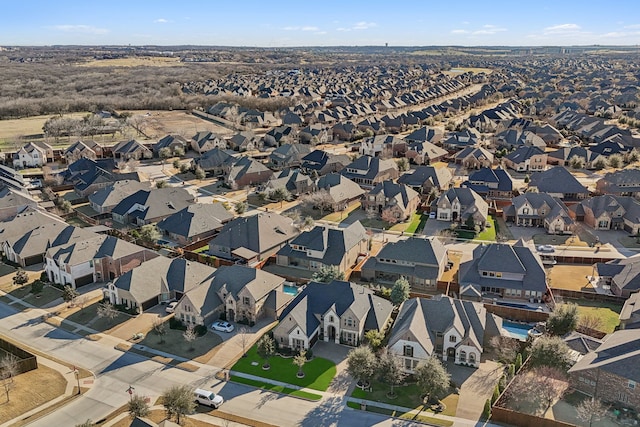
(208, 398)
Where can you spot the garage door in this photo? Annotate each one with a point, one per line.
(85, 280)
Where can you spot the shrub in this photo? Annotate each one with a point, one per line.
(309, 354)
(200, 330)
(176, 324)
(486, 412)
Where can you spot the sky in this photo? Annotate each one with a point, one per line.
(275, 23)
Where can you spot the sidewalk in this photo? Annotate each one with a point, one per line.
(202, 417)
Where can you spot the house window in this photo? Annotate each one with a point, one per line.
(463, 356)
(330, 318)
(246, 301)
(525, 211)
(632, 384)
(472, 358)
(452, 338)
(408, 350)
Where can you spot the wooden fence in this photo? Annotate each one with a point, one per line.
(591, 296)
(507, 416)
(518, 314)
(26, 361)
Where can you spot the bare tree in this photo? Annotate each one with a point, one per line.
(589, 321)
(590, 410)
(389, 216)
(552, 384)
(243, 339)
(8, 371)
(190, 335)
(320, 199)
(504, 348)
(138, 123)
(160, 329)
(107, 311)
(299, 360)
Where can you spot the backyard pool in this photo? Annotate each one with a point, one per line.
(290, 289)
(517, 330)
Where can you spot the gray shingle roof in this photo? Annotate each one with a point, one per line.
(196, 219)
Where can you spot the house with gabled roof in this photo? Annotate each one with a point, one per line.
(293, 180)
(527, 158)
(33, 155)
(492, 184)
(156, 281)
(558, 182)
(338, 312)
(425, 179)
(503, 270)
(425, 134)
(514, 138)
(341, 190)
(458, 204)
(244, 141)
(367, 171)
(246, 171)
(14, 202)
(625, 182)
(323, 246)
(107, 198)
(420, 261)
(216, 161)
(384, 146)
(205, 141)
(608, 213)
(540, 210)
(279, 135)
(621, 276)
(252, 239)
(459, 140)
(320, 162)
(153, 205)
(93, 260)
(400, 199)
(83, 149)
(450, 329)
(288, 156)
(630, 313)
(610, 372)
(195, 222)
(131, 150)
(473, 158)
(172, 142)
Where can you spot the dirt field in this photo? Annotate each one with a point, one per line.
(10, 129)
(161, 123)
(572, 277)
(135, 62)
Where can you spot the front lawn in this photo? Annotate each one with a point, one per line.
(406, 416)
(417, 223)
(174, 343)
(276, 388)
(318, 372)
(489, 233)
(88, 316)
(49, 294)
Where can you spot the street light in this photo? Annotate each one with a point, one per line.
(76, 372)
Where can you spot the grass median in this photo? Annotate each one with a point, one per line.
(277, 388)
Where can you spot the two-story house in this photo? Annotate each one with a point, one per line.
(33, 155)
(494, 185)
(195, 222)
(625, 182)
(558, 182)
(473, 158)
(342, 191)
(107, 198)
(526, 159)
(83, 149)
(443, 327)
(368, 171)
(427, 179)
(540, 210)
(293, 180)
(401, 200)
(338, 312)
(608, 213)
(458, 204)
(420, 261)
(149, 206)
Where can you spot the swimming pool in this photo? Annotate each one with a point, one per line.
(291, 290)
(517, 330)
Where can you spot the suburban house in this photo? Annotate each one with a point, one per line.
(425, 179)
(526, 159)
(502, 270)
(149, 206)
(630, 313)
(342, 191)
(514, 138)
(368, 171)
(33, 155)
(610, 373)
(18, 226)
(195, 222)
(92, 260)
(565, 156)
(324, 246)
(205, 141)
(288, 155)
(621, 276)
(244, 141)
(558, 182)
(424, 153)
(458, 204)
(107, 198)
(338, 312)
(172, 142)
(315, 134)
(491, 184)
(279, 135)
(473, 158)
(293, 180)
(625, 182)
(385, 146)
(540, 210)
(448, 328)
(321, 163)
(216, 161)
(83, 149)
(131, 150)
(460, 140)
(425, 134)
(246, 171)
(252, 239)
(401, 200)
(609, 213)
(158, 280)
(14, 202)
(420, 261)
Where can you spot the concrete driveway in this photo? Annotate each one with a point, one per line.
(476, 386)
(142, 323)
(230, 350)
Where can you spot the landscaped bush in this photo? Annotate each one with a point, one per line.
(177, 324)
(200, 330)
(123, 308)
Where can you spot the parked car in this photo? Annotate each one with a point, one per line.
(222, 326)
(171, 307)
(208, 398)
(546, 248)
(432, 215)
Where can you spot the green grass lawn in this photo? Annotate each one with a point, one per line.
(607, 313)
(407, 396)
(276, 388)
(406, 416)
(318, 372)
(202, 249)
(417, 223)
(489, 233)
(49, 294)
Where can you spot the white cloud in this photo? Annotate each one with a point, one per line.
(161, 21)
(460, 32)
(562, 29)
(310, 28)
(362, 25)
(305, 28)
(87, 29)
(489, 29)
(632, 27)
(320, 33)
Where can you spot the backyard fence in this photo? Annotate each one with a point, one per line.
(591, 296)
(26, 361)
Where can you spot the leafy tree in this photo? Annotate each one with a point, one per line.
(178, 151)
(470, 223)
(36, 287)
(391, 370)
(178, 401)
(550, 351)
(486, 411)
(266, 348)
(162, 183)
(496, 394)
(20, 278)
(308, 222)
(190, 335)
(240, 207)
(600, 163)
(400, 291)
(563, 320)
(184, 168)
(433, 379)
(107, 311)
(403, 164)
(280, 194)
(615, 161)
(299, 360)
(361, 364)
(576, 162)
(66, 207)
(200, 174)
(164, 153)
(69, 294)
(176, 163)
(138, 406)
(590, 410)
(374, 337)
(328, 273)
(526, 179)
(518, 362)
(150, 233)
(160, 329)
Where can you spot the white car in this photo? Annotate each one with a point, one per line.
(432, 215)
(171, 307)
(546, 248)
(222, 326)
